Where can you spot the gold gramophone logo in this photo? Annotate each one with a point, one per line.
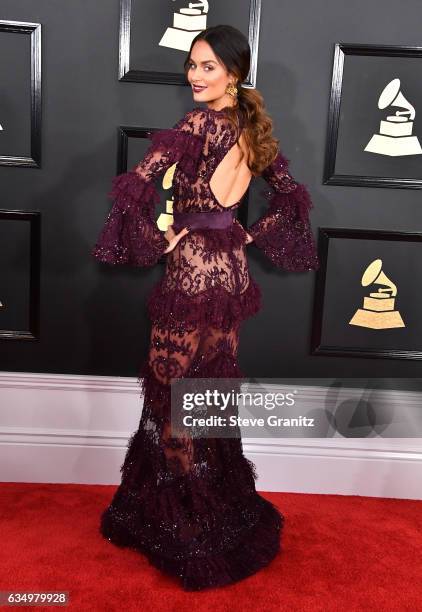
(187, 23)
(395, 136)
(378, 308)
(165, 219)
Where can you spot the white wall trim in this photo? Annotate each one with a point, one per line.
(69, 428)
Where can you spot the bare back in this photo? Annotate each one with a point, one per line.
(231, 177)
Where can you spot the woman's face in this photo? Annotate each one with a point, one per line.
(206, 70)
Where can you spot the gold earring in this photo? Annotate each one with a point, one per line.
(231, 89)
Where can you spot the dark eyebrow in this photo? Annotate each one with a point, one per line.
(204, 62)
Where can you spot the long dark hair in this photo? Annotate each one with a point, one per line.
(232, 48)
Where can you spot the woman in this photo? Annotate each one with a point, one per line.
(190, 504)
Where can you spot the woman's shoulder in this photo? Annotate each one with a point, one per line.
(199, 120)
(192, 122)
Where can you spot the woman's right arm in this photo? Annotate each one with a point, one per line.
(284, 232)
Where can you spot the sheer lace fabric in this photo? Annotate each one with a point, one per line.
(190, 504)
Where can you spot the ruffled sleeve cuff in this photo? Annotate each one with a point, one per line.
(130, 234)
(284, 234)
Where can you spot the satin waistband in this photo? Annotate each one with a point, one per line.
(203, 219)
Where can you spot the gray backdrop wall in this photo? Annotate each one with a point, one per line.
(93, 316)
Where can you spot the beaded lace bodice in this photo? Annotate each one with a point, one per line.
(211, 136)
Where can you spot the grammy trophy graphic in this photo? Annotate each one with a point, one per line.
(395, 135)
(378, 308)
(187, 23)
(166, 219)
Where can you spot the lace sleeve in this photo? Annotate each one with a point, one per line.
(130, 234)
(283, 233)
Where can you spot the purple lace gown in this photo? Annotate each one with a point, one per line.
(190, 505)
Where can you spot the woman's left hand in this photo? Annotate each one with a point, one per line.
(174, 238)
(249, 237)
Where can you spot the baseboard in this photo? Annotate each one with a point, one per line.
(74, 429)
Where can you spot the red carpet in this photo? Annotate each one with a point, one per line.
(339, 553)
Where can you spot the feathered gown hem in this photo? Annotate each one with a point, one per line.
(255, 549)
